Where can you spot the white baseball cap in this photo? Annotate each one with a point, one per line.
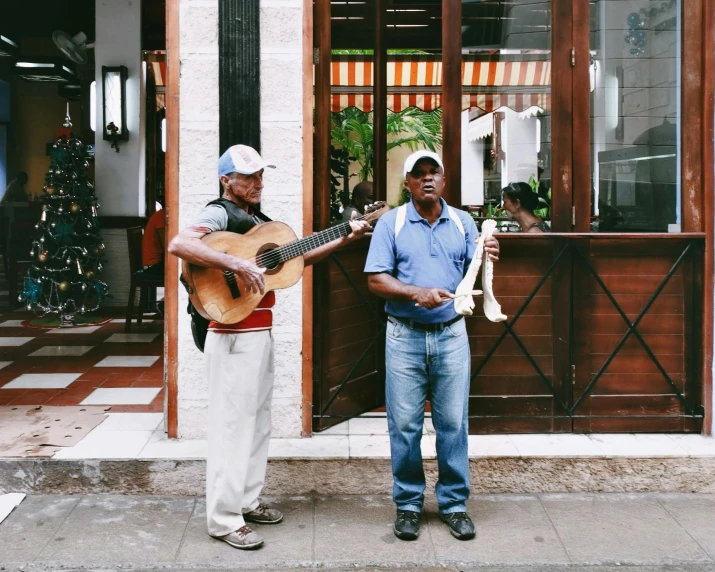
(241, 159)
(416, 156)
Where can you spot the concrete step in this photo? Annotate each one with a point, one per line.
(365, 476)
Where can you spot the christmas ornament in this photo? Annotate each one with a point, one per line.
(43, 256)
(89, 275)
(75, 208)
(64, 286)
(79, 267)
(50, 189)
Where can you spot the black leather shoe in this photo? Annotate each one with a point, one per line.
(459, 524)
(407, 524)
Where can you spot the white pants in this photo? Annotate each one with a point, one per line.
(240, 374)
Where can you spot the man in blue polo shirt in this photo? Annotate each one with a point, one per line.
(418, 255)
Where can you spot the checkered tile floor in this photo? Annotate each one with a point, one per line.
(96, 365)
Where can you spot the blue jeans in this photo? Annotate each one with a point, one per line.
(416, 361)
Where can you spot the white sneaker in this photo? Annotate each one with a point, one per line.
(244, 538)
(263, 514)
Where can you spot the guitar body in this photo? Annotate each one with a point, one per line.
(215, 297)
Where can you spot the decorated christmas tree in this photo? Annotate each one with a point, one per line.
(67, 250)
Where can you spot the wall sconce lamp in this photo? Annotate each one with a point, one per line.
(114, 103)
(8, 48)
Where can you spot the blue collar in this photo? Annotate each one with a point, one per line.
(414, 216)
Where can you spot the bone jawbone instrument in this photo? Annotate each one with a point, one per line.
(463, 299)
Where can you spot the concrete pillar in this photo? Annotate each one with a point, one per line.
(281, 142)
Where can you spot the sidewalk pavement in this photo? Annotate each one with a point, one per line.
(542, 532)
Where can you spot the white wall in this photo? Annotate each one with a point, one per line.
(520, 148)
(198, 156)
(282, 144)
(119, 177)
(472, 166)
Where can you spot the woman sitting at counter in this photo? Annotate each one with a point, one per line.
(520, 201)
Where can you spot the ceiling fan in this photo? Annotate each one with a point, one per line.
(73, 47)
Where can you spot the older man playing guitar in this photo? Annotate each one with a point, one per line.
(239, 356)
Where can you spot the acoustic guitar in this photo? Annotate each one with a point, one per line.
(218, 295)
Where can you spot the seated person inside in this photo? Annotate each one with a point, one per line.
(153, 245)
(520, 202)
(361, 197)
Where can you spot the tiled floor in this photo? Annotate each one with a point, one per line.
(97, 365)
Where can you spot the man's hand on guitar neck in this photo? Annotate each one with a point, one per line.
(359, 229)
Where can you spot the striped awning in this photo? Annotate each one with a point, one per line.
(416, 81)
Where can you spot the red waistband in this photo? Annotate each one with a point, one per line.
(260, 319)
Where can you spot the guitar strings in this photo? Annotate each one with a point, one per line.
(294, 248)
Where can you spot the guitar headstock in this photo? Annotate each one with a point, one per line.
(375, 211)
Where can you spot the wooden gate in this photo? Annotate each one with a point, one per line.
(603, 335)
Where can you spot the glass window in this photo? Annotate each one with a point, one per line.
(635, 115)
(506, 102)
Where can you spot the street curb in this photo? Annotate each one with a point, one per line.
(494, 475)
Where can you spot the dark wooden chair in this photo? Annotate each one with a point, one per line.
(18, 255)
(4, 240)
(139, 279)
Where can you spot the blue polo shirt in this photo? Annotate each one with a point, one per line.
(430, 256)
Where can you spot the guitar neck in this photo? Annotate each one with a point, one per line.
(305, 245)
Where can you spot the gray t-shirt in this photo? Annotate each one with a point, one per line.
(213, 219)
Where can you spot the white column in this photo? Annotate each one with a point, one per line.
(119, 177)
(198, 183)
(282, 145)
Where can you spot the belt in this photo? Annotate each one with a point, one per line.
(424, 327)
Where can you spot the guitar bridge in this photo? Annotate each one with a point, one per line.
(232, 285)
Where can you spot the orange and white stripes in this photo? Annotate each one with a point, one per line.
(425, 75)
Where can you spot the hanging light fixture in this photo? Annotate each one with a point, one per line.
(114, 104)
(45, 70)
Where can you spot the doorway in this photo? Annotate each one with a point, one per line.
(590, 313)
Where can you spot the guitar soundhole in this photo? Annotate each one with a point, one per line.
(269, 258)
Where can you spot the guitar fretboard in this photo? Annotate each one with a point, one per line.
(303, 245)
